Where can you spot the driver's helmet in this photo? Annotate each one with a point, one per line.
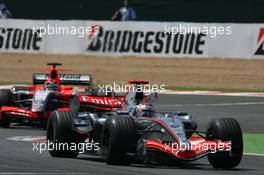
(51, 86)
(143, 110)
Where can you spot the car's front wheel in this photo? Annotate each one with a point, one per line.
(118, 138)
(226, 129)
(61, 135)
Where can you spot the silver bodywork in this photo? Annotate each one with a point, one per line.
(40, 100)
(175, 121)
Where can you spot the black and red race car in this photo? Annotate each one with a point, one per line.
(136, 133)
(51, 91)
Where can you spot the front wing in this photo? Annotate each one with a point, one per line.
(197, 149)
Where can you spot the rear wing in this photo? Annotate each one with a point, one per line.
(70, 79)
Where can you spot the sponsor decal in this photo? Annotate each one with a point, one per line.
(100, 101)
(70, 77)
(64, 77)
(260, 42)
(146, 42)
(19, 39)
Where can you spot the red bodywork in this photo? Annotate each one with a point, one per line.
(64, 93)
(200, 147)
(101, 102)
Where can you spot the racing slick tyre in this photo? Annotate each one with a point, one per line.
(226, 129)
(5, 100)
(60, 132)
(118, 138)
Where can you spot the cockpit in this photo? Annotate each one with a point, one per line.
(51, 86)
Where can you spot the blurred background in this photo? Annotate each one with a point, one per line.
(242, 11)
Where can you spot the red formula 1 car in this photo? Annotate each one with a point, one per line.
(136, 133)
(33, 103)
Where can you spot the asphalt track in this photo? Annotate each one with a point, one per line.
(19, 158)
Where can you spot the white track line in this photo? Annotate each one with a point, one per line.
(217, 104)
(215, 93)
(253, 154)
(5, 87)
(11, 173)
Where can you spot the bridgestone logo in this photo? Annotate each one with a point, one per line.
(260, 41)
(151, 42)
(19, 39)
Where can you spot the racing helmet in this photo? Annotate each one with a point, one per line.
(143, 110)
(51, 86)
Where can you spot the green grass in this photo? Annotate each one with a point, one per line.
(214, 89)
(12, 83)
(253, 143)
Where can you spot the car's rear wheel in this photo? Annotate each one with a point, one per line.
(5, 100)
(118, 138)
(60, 132)
(226, 129)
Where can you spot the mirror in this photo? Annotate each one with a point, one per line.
(115, 98)
(75, 104)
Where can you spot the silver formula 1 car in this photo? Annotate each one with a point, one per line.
(136, 133)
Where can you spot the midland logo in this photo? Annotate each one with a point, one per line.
(260, 42)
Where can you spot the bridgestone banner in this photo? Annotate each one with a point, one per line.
(155, 39)
(146, 39)
(19, 37)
